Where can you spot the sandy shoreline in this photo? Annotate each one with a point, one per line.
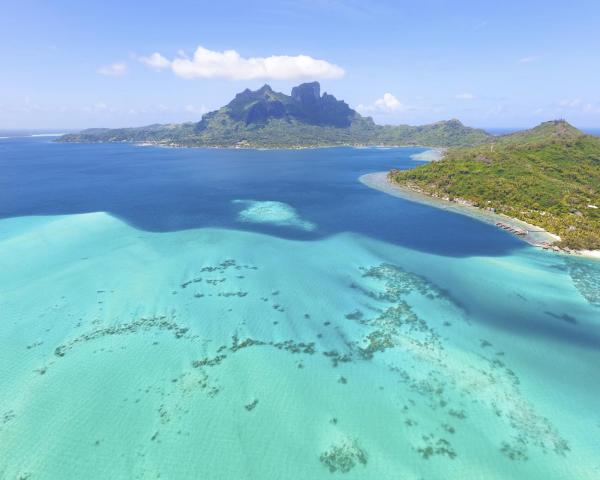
(431, 155)
(533, 235)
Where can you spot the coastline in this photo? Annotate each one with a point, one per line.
(266, 147)
(256, 147)
(431, 155)
(531, 234)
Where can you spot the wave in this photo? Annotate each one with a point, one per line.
(32, 135)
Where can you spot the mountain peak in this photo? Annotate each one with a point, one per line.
(310, 91)
(304, 105)
(453, 122)
(559, 127)
(265, 88)
(547, 131)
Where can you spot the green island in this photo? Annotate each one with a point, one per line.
(264, 118)
(548, 176)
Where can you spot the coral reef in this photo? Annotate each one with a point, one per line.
(344, 456)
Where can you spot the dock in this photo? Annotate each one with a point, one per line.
(514, 230)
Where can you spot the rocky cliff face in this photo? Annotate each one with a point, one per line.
(321, 110)
(305, 105)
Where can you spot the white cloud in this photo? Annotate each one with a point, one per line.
(464, 96)
(116, 69)
(386, 104)
(531, 59)
(156, 61)
(231, 65)
(197, 110)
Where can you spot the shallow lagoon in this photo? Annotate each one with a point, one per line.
(176, 336)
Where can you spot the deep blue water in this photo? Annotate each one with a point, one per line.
(159, 189)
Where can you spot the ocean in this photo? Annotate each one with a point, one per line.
(246, 314)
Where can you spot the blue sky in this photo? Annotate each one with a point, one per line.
(72, 64)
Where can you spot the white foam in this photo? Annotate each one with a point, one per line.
(431, 155)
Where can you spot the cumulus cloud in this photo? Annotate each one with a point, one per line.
(386, 104)
(156, 61)
(116, 69)
(464, 96)
(230, 64)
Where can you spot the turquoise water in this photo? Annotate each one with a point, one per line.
(260, 332)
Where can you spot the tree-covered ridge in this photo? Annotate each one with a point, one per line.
(448, 133)
(547, 131)
(306, 118)
(548, 176)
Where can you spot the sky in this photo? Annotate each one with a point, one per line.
(76, 64)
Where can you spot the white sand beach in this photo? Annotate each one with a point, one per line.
(532, 234)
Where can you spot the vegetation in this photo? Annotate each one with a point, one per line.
(449, 133)
(268, 119)
(548, 176)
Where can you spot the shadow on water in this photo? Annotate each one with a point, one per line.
(561, 327)
(160, 189)
(563, 330)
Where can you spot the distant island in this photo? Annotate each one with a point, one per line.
(267, 119)
(547, 176)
